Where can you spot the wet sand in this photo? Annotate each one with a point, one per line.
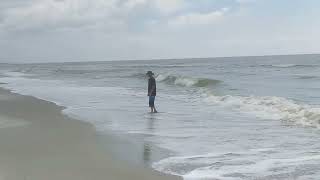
(38, 142)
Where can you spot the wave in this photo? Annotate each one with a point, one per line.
(137, 75)
(231, 165)
(186, 81)
(290, 65)
(13, 74)
(285, 65)
(271, 107)
(160, 66)
(307, 77)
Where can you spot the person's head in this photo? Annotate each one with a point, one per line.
(149, 74)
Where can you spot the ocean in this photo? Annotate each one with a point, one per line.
(233, 118)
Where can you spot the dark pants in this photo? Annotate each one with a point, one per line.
(151, 101)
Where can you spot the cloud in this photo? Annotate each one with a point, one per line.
(58, 13)
(169, 6)
(245, 1)
(75, 14)
(134, 3)
(143, 29)
(199, 18)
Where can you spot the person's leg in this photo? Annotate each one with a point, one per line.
(151, 104)
(154, 107)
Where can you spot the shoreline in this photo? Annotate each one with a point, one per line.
(46, 144)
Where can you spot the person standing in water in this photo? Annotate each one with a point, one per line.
(152, 91)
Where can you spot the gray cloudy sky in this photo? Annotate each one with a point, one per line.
(95, 30)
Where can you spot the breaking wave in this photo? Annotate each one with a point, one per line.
(277, 108)
(224, 166)
(186, 81)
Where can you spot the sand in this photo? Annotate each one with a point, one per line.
(38, 142)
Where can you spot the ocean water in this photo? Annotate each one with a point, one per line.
(222, 118)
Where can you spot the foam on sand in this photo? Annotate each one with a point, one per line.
(8, 122)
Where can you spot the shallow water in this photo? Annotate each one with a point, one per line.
(224, 118)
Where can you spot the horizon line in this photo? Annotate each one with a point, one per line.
(159, 59)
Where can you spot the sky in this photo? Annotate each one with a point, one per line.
(102, 30)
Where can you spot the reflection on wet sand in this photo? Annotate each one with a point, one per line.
(147, 148)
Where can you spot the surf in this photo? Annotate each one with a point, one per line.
(186, 81)
(270, 107)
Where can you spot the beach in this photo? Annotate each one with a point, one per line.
(38, 142)
(219, 118)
